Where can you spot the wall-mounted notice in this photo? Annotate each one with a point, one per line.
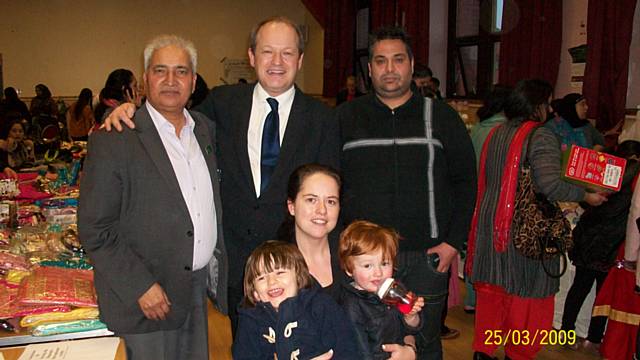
(577, 76)
(235, 69)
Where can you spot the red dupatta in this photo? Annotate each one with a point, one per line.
(509, 184)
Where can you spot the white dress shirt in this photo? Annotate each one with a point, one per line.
(259, 110)
(194, 180)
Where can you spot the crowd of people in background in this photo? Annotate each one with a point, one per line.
(343, 229)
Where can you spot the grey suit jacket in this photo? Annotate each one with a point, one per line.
(136, 227)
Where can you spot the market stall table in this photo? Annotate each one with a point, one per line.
(13, 353)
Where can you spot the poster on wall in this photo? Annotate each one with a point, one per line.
(577, 77)
(235, 69)
(578, 62)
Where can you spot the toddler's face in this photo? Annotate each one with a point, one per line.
(276, 286)
(370, 270)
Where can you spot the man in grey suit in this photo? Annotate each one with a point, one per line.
(150, 215)
(254, 205)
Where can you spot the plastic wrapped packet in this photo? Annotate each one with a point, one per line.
(37, 257)
(71, 241)
(8, 213)
(11, 308)
(9, 188)
(31, 238)
(67, 327)
(5, 237)
(54, 285)
(73, 263)
(14, 276)
(75, 314)
(11, 261)
(29, 215)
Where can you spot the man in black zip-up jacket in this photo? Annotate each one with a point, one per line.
(408, 163)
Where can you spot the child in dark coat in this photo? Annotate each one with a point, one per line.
(284, 315)
(367, 254)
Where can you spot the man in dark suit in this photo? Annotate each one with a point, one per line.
(254, 205)
(150, 216)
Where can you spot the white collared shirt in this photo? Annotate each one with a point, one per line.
(194, 179)
(259, 110)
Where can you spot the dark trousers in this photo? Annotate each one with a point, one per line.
(417, 271)
(234, 298)
(190, 341)
(445, 310)
(582, 283)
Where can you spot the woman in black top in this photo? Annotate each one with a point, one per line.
(313, 206)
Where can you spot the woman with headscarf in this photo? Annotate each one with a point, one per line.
(572, 127)
(514, 292)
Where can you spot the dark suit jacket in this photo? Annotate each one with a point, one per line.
(311, 136)
(136, 227)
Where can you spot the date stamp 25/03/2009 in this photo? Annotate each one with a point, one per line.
(526, 337)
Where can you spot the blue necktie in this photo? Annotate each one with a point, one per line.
(270, 144)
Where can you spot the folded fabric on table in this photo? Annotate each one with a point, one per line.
(75, 314)
(11, 308)
(54, 285)
(67, 327)
(11, 261)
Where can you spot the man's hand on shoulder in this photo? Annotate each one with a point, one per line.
(447, 254)
(123, 113)
(154, 303)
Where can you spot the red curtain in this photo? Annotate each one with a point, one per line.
(531, 44)
(339, 47)
(317, 8)
(609, 28)
(412, 15)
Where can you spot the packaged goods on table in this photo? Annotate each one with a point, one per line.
(9, 188)
(90, 313)
(40, 243)
(29, 214)
(67, 327)
(5, 237)
(10, 306)
(14, 277)
(12, 261)
(53, 285)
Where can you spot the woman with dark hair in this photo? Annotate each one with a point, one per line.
(80, 117)
(120, 87)
(514, 293)
(11, 107)
(491, 114)
(43, 105)
(17, 151)
(571, 125)
(313, 206)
